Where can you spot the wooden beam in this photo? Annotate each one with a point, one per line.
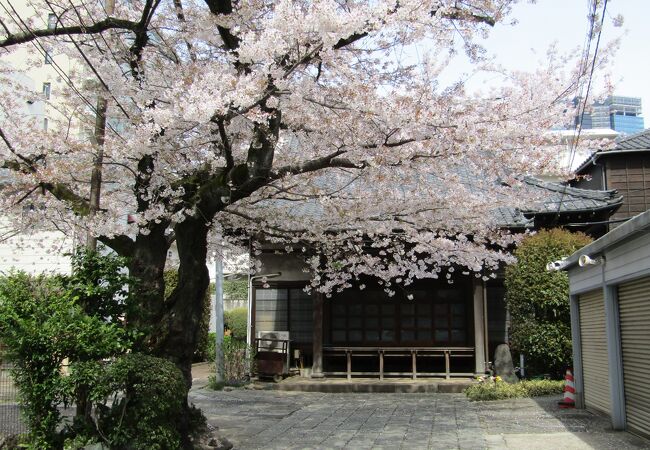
(479, 329)
(317, 365)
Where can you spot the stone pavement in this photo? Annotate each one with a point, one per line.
(261, 419)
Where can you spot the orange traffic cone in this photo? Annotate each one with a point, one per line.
(569, 400)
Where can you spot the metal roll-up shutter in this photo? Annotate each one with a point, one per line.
(593, 339)
(634, 312)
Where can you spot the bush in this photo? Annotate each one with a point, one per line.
(236, 320)
(235, 289)
(210, 350)
(41, 324)
(496, 389)
(137, 400)
(100, 285)
(201, 353)
(538, 301)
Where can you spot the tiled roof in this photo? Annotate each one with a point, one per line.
(558, 198)
(553, 198)
(638, 142)
(512, 218)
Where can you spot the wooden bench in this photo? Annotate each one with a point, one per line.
(443, 352)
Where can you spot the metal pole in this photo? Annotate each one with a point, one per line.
(249, 315)
(218, 314)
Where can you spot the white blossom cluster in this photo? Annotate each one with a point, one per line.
(358, 156)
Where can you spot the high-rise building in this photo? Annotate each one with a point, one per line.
(622, 114)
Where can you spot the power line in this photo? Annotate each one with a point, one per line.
(574, 144)
(44, 52)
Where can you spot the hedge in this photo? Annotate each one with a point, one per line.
(538, 301)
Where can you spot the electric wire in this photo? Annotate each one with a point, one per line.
(574, 144)
(44, 52)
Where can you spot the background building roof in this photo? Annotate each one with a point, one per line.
(639, 142)
(557, 199)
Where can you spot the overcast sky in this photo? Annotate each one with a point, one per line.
(565, 21)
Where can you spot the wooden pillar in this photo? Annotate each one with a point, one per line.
(414, 364)
(348, 355)
(317, 366)
(479, 327)
(447, 365)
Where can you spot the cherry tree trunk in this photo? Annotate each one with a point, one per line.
(171, 326)
(177, 335)
(147, 266)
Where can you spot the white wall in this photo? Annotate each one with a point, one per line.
(34, 252)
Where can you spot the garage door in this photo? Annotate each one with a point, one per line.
(634, 310)
(594, 351)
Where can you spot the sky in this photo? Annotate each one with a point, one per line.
(565, 21)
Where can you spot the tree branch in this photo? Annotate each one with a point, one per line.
(227, 150)
(309, 166)
(122, 244)
(224, 7)
(98, 27)
(455, 14)
(141, 37)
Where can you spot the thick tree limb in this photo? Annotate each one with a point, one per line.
(224, 7)
(98, 27)
(309, 166)
(227, 150)
(141, 37)
(122, 244)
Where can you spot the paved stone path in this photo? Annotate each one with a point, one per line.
(253, 419)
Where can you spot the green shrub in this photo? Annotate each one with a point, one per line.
(538, 301)
(100, 284)
(41, 324)
(235, 289)
(495, 389)
(137, 401)
(201, 353)
(210, 349)
(236, 320)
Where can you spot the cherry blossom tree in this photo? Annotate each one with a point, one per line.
(322, 126)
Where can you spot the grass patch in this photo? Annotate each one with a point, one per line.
(495, 389)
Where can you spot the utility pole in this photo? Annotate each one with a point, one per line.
(218, 312)
(100, 137)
